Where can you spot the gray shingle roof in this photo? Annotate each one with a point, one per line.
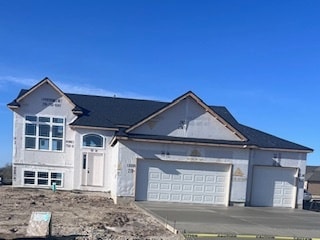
(111, 112)
(114, 112)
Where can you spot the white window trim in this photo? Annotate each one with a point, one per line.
(37, 136)
(36, 178)
(89, 147)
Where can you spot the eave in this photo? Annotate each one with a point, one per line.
(238, 145)
(94, 128)
(286, 150)
(180, 142)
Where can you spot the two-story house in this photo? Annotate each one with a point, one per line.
(179, 151)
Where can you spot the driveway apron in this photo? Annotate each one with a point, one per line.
(257, 222)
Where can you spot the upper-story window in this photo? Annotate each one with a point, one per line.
(92, 140)
(44, 133)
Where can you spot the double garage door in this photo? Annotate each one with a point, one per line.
(274, 187)
(186, 182)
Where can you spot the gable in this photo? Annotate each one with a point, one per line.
(44, 99)
(187, 119)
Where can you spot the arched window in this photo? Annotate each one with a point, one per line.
(92, 140)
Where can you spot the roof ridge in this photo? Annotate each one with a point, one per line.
(111, 97)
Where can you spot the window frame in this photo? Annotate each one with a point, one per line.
(37, 177)
(95, 134)
(45, 137)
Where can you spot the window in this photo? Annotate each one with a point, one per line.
(56, 178)
(92, 140)
(42, 178)
(84, 161)
(44, 133)
(29, 177)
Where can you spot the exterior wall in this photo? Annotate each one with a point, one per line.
(187, 119)
(130, 151)
(314, 188)
(115, 169)
(46, 102)
(280, 159)
(18, 179)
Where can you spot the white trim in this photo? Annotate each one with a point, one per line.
(41, 165)
(37, 136)
(90, 127)
(49, 179)
(285, 150)
(91, 147)
(242, 146)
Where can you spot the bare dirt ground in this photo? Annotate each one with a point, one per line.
(76, 215)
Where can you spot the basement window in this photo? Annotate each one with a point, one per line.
(43, 178)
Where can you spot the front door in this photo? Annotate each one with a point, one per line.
(92, 169)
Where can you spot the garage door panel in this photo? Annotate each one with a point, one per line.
(219, 199)
(187, 188)
(154, 175)
(153, 196)
(209, 189)
(188, 178)
(208, 199)
(210, 179)
(154, 186)
(186, 197)
(176, 187)
(164, 186)
(182, 182)
(220, 190)
(198, 188)
(199, 178)
(273, 187)
(177, 177)
(165, 177)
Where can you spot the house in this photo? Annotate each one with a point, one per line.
(312, 180)
(179, 151)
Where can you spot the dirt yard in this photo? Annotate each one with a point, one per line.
(76, 215)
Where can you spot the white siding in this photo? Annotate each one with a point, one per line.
(44, 101)
(187, 119)
(129, 152)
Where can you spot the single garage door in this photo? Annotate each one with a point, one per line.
(187, 182)
(273, 187)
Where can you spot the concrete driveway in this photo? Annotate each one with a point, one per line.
(251, 222)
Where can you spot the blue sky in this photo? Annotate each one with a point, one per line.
(260, 59)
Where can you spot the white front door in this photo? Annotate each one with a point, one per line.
(273, 187)
(188, 182)
(92, 169)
